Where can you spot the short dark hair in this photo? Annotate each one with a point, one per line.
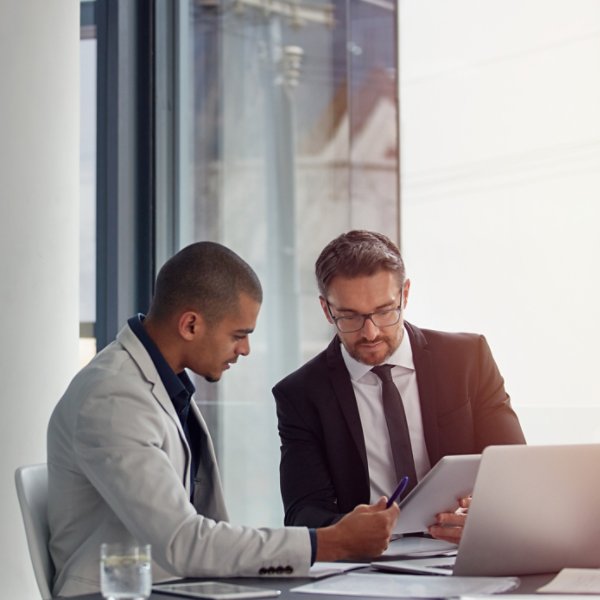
(358, 253)
(207, 277)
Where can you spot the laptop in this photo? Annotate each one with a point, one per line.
(535, 509)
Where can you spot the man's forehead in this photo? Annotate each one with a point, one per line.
(243, 315)
(381, 287)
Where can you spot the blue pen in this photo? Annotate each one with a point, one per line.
(401, 487)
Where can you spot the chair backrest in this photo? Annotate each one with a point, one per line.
(32, 491)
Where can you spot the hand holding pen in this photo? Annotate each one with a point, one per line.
(398, 491)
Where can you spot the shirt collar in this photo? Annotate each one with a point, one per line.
(178, 385)
(402, 357)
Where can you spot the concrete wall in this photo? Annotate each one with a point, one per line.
(39, 165)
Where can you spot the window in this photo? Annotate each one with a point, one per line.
(288, 130)
(268, 126)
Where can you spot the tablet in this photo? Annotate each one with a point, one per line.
(214, 590)
(451, 478)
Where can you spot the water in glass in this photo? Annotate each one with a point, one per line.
(125, 572)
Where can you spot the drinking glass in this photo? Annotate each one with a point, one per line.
(125, 571)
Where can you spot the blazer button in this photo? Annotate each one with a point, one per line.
(262, 571)
(279, 570)
(289, 569)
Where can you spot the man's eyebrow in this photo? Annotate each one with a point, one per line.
(244, 331)
(390, 304)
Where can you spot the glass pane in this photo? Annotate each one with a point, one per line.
(87, 190)
(500, 184)
(294, 118)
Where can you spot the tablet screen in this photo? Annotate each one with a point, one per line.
(451, 478)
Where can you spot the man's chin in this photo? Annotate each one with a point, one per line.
(212, 378)
(371, 361)
(371, 358)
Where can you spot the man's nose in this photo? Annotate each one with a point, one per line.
(243, 347)
(370, 330)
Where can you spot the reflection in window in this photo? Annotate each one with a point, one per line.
(294, 118)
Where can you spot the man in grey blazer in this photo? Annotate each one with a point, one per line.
(336, 435)
(130, 458)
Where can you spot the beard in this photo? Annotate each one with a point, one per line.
(360, 352)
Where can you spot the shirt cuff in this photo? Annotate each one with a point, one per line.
(313, 545)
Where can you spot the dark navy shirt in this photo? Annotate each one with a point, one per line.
(180, 389)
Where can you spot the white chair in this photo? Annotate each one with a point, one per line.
(32, 491)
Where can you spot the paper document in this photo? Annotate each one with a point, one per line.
(529, 597)
(414, 586)
(325, 569)
(417, 547)
(574, 581)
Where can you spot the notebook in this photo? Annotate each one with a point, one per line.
(535, 509)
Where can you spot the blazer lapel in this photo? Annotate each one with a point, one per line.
(426, 385)
(138, 353)
(342, 386)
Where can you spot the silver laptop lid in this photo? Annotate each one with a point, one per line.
(535, 509)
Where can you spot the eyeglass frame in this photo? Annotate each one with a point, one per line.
(366, 316)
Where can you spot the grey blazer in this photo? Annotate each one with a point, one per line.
(119, 469)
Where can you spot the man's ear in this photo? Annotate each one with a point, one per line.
(190, 325)
(325, 309)
(405, 291)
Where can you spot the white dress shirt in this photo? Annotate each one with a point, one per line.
(367, 389)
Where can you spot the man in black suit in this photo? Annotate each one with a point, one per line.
(340, 436)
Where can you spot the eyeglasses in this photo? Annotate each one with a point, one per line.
(379, 318)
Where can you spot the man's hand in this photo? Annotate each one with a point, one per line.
(449, 525)
(363, 533)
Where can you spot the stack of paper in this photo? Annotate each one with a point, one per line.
(574, 581)
(326, 569)
(414, 586)
(418, 547)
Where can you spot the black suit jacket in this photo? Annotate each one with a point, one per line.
(323, 469)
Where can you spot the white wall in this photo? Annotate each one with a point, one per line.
(501, 180)
(39, 163)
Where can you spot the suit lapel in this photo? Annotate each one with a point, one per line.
(138, 353)
(426, 385)
(342, 387)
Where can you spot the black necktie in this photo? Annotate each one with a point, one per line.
(397, 426)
